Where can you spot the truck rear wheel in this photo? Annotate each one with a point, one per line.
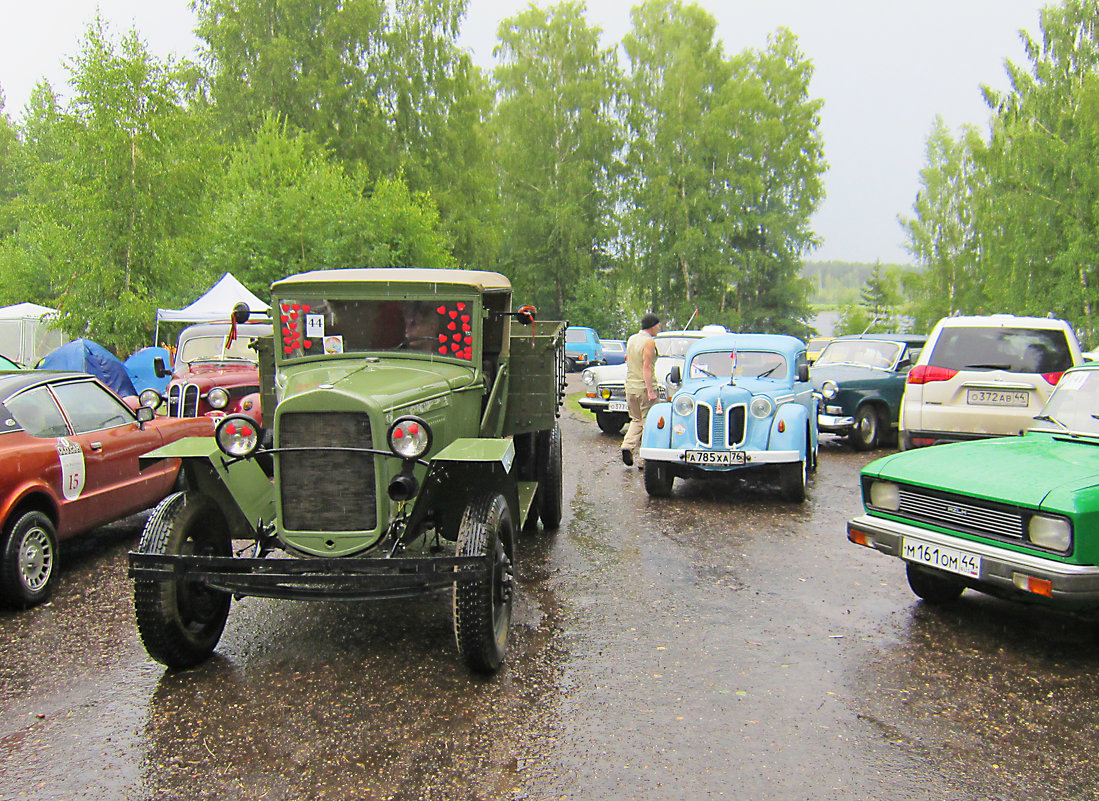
(482, 606)
(550, 491)
(180, 621)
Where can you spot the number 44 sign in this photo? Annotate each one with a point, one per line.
(72, 468)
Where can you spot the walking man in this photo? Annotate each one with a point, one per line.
(640, 383)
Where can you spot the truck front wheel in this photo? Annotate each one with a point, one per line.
(180, 621)
(482, 606)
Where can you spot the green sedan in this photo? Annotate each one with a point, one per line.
(1016, 517)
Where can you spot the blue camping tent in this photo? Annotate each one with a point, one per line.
(86, 356)
(140, 368)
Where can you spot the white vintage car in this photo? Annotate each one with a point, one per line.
(605, 387)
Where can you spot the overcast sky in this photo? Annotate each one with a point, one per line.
(883, 68)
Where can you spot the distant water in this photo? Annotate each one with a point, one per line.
(825, 322)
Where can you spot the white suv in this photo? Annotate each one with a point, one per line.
(984, 377)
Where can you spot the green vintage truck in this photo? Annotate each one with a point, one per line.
(410, 430)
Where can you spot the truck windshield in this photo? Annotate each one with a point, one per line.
(316, 326)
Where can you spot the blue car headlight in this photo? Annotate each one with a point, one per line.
(761, 407)
(684, 405)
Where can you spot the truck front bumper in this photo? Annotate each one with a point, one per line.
(1003, 572)
(333, 579)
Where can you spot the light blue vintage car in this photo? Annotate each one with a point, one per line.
(744, 402)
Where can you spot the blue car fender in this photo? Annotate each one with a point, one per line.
(788, 428)
(653, 436)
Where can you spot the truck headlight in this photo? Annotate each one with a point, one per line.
(237, 435)
(409, 437)
(684, 405)
(1054, 533)
(150, 398)
(829, 389)
(885, 495)
(588, 377)
(218, 397)
(761, 407)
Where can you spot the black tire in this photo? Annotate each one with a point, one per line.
(658, 479)
(482, 607)
(932, 585)
(550, 488)
(866, 432)
(180, 621)
(28, 561)
(812, 453)
(570, 364)
(611, 422)
(792, 479)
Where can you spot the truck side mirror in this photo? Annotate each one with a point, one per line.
(241, 313)
(675, 375)
(159, 369)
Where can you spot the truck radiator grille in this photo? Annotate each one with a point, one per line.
(961, 514)
(327, 490)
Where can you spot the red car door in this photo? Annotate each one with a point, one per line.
(108, 440)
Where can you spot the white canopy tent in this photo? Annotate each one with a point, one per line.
(214, 306)
(26, 334)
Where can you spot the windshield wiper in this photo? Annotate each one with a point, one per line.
(1049, 418)
(766, 373)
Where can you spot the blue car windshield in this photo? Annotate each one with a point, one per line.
(747, 364)
(1073, 405)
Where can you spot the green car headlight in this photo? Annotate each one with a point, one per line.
(761, 407)
(218, 397)
(684, 405)
(1054, 533)
(885, 495)
(829, 389)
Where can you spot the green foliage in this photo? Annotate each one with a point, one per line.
(556, 143)
(284, 205)
(1011, 223)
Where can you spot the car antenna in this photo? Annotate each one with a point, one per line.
(688, 325)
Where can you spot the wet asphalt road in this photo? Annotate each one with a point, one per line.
(717, 644)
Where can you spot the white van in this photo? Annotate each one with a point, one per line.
(984, 376)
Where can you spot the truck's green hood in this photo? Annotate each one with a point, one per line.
(390, 383)
(1025, 470)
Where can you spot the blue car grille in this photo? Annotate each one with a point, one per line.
(961, 513)
(725, 430)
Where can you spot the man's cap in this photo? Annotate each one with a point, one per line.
(648, 321)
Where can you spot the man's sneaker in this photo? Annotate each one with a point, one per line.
(627, 457)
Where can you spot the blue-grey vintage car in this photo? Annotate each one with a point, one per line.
(860, 381)
(745, 402)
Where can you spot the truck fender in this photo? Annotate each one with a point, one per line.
(464, 469)
(240, 488)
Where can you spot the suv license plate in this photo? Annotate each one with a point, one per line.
(715, 457)
(997, 397)
(617, 406)
(948, 559)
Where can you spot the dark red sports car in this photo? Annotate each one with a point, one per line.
(69, 452)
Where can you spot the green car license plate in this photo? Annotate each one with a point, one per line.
(714, 457)
(949, 559)
(997, 397)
